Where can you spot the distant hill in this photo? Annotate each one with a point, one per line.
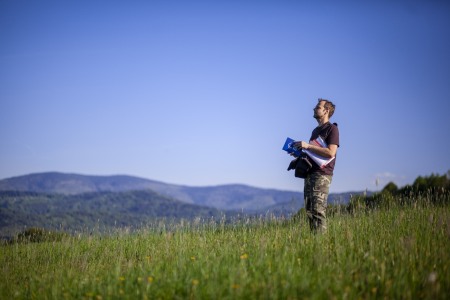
(223, 197)
(88, 211)
(73, 201)
(69, 184)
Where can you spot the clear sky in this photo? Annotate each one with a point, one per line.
(205, 93)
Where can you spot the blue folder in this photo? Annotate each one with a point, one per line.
(288, 147)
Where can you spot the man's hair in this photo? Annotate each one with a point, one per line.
(329, 106)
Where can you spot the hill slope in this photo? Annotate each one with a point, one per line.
(69, 184)
(19, 210)
(226, 197)
(72, 201)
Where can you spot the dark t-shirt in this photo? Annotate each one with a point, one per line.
(330, 134)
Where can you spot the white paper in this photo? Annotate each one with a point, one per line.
(320, 160)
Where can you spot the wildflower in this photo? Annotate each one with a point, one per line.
(193, 258)
(432, 277)
(150, 279)
(195, 282)
(244, 256)
(121, 278)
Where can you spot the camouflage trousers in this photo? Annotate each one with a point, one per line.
(316, 191)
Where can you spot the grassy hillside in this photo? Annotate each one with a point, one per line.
(396, 253)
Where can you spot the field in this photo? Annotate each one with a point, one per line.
(396, 253)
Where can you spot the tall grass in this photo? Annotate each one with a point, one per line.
(399, 253)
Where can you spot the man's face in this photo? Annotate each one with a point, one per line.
(319, 110)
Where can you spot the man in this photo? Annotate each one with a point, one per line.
(317, 182)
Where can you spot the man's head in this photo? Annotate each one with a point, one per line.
(324, 107)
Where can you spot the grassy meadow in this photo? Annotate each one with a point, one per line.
(396, 253)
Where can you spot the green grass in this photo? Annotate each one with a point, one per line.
(401, 253)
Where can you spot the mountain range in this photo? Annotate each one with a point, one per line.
(76, 200)
(223, 197)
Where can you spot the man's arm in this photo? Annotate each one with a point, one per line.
(327, 152)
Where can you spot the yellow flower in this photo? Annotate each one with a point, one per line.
(244, 256)
(121, 278)
(195, 282)
(150, 279)
(193, 258)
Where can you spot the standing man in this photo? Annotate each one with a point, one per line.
(317, 182)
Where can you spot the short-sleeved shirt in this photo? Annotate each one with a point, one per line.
(330, 134)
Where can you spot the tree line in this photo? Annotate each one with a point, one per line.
(425, 190)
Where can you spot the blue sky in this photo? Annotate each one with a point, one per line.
(205, 92)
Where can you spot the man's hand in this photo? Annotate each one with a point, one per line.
(301, 145)
(329, 151)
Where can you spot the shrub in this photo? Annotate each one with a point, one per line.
(37, 235)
